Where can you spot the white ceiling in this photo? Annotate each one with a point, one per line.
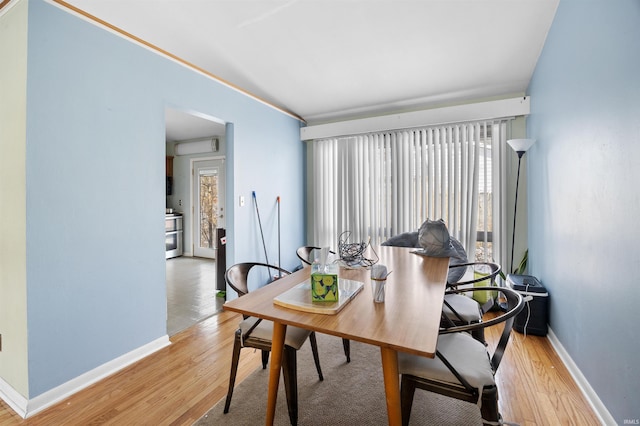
(182, 126)
(327, 60)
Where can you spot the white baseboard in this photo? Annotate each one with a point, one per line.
(25, 408)
(13, 398)
(592, 397)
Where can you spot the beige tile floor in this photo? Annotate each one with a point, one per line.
(191, 292)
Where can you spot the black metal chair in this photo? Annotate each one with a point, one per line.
(463, 367)
(459, 309)
(306, 256)
(257, 333)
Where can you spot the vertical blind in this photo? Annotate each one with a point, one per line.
(379, 185)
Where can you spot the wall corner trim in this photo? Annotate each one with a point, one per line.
(4, 3)
(120, 32)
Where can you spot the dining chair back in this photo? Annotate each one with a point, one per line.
(307, 254)
(256, 333)
(460, 309)
(463, 367)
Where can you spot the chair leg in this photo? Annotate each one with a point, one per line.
(316, 358)
(235, 357)
(265, 359)
(407, 391)
(489, 409)
(290, 373)
(346, 344)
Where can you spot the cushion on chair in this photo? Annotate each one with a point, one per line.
(467, 308)
(295, 336)
(468, 356)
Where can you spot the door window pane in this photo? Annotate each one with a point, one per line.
(208, 208)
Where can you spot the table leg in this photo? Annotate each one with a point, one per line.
(391, 385)
(277, 348)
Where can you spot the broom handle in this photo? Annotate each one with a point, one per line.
(279, 265)
(255, 199)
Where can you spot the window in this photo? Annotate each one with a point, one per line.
(383, 184)
(484, 238)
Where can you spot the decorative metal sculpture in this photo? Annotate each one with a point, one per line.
(352, 254)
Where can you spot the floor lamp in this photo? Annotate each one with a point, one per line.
(520, 146)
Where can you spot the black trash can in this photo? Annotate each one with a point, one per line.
(221, 259)
(534, 318)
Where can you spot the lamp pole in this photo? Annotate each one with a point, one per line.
(515, 210)
(520, 146)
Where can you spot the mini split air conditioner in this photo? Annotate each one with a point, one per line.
(197, 146)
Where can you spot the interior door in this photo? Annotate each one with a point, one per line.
(208, 206)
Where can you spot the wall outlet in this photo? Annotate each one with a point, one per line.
(242, 201)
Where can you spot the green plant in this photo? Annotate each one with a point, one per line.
(521, 268)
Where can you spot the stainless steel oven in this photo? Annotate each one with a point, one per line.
(173, 235)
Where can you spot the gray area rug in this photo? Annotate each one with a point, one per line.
(351, 394)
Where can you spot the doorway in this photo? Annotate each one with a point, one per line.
(192, 281)
(208, 206)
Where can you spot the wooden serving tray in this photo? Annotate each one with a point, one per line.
(299, 297)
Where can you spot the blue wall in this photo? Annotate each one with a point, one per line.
(584, 200)
(95, 189)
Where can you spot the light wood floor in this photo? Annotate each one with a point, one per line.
(179, 383)
(535, 386)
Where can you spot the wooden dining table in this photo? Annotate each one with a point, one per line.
(407, 321)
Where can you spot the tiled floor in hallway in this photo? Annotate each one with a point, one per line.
(191, 292)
